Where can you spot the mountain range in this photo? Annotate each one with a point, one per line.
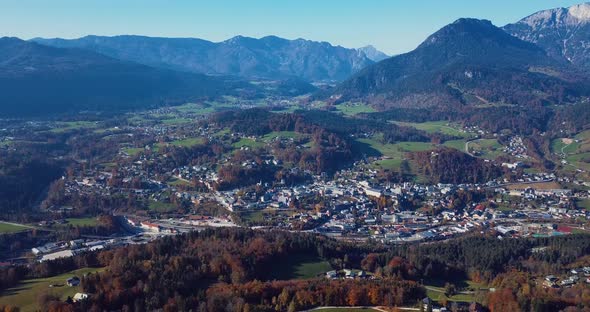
(37, 79)
(269, 57)
(541, 59)
(470, 61)
(563, 32)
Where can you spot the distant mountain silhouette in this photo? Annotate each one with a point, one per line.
(373, 54)
(269, 57)
(37, 79)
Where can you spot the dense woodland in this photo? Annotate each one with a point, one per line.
(451, 166)
(523, 120)
(227, 269)
(23, 180)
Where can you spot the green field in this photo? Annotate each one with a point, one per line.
(254, 216)
(557, 146)
(178, 182)
(415, 146)
(194, 108)
(391, 164)
(436, 127)
(73, 125)
(438, 294)
(159, 206)
(299, 267)
(245, 142)
(435, 290)
(583, 203)
(351, 109)
(486, 148)
(133, 151)
(25, 294)
(187, 142)
(257, 217)
(395, 153)
(10, 228)
(281, 134)
(581, 161)
(576, 153)
(176, 121)
(136, 119)
(456, 144)
(82, 221)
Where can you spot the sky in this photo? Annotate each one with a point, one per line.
(392, 26)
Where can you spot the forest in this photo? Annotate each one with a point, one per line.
(226, 269)
(447, 165)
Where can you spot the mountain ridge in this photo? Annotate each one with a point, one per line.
(563, 32)
(269, 57)
(37, 79)
(469, 61)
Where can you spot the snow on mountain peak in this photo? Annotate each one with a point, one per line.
(580, 12)
(574, 15)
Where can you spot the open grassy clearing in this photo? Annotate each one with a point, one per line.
(73, 125)
(486, 148)
(159, 206)
(11, 228)
(583, 203)
(456, 144)
(299, 267)
(178, 182)
(436, 127)
(188, 142)
(83, 221)
(195, 108)
(245, 142)
(133, 151)
(564, 145)
(391, 164)
(108, 165)
(394, 154)
(415, 146)
(351, 109)
(396, 149)
(176, 121)
(257, 216)
(25, 294)
(581, 161)
(579, 144)
(536, 186)
(435, 290)
(282, 134)
(136, 120)
(584, 135)
(437, 295)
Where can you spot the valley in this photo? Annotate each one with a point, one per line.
(262, 173)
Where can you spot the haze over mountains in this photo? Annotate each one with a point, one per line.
(269, 57)
(542, 59)
(37, 79)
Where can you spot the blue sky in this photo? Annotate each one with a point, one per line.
(393, 26)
